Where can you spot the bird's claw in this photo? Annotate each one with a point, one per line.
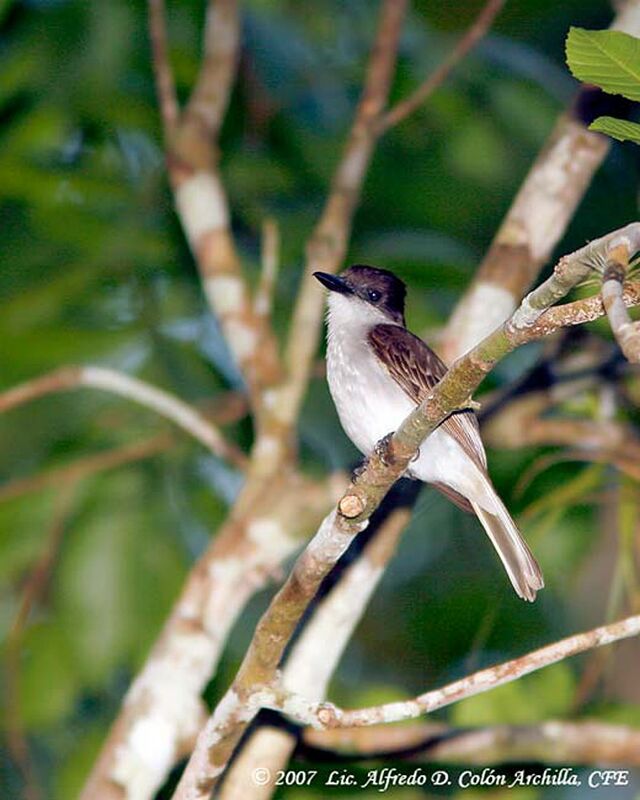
(359, 471)
(382, 449)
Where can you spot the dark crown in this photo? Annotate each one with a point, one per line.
(380, 287)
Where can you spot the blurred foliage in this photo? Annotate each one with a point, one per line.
(95, 269)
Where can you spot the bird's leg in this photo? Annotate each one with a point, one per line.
(383, 451)
(358, 471)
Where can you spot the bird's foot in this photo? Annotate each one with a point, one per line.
(383, 449)
(358, 471)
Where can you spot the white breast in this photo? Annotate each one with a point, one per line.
(371, 404)
(368, 401)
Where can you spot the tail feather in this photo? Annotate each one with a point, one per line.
(521, 567)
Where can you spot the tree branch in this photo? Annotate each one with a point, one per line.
(579, 312)
(165, 404)
(314, 657)
(210, 97)
(626, 332)
(268, 523)
(167, 98)
(325, 715)
(33, 590)
(256, 683)
(200, 198)
(534, 224)
(327, 245)
(270, 263)
(474, 34)
(86, 466)
(522, 424)
(587, 742)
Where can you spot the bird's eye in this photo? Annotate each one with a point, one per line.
(373, 295)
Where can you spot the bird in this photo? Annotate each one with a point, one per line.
(378, 372)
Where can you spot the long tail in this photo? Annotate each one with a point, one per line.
(521, 567)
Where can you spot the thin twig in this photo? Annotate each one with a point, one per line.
(210, 97)
(32, 592)
(87, 466)
(256, 683)
(478, 682)
(474, 34)
(626, 332)
(535, 222)
(167, 98)
(327, 245)
(165, 404)
(314, 658)
(270, 262)
(579, 312)
(203, 208)
(588, 742)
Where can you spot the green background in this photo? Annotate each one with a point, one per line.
(95, 269)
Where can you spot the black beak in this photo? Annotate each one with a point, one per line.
(333, 282)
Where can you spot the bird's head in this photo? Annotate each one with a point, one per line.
(367, 292)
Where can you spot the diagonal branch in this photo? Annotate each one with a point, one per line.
(86, 466)
(555, 741)
(328, 243)
(268, 523)
(257, 683)
(167, 98)
(315, 656)
(210, 97)
(536, 220)
(200, 197)
(329, 716)
(626, 332)
(165, 404)
(32, 592)
(474, 34)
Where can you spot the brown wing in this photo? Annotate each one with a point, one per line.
(458, 499)
(417, 369)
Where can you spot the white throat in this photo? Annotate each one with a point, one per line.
(351, 316)
(370, 403)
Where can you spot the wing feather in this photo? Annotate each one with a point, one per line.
(417, 369)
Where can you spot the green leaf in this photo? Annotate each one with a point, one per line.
(618, 129)
(608, 59)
